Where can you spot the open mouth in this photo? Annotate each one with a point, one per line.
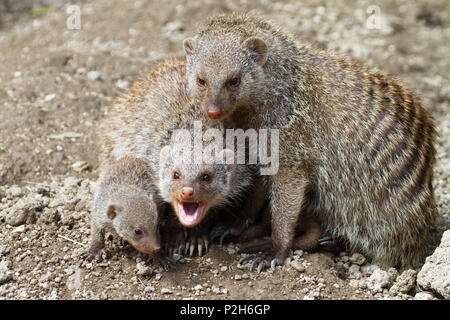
(190, 213)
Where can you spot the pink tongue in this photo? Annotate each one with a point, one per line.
(190, 208)
(190, 213)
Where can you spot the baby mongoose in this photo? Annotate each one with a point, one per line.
(360, 142)
(124, 203)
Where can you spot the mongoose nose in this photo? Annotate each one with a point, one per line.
(187, 193)
(214, 114)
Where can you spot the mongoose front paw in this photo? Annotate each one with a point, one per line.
(267, 256)
(200, 243)
(222, 231)
(90, 255)
(162, 260)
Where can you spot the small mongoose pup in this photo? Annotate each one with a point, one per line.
(124, 203)
(360, 142)
(143, 121)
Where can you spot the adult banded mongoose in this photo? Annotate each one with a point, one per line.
(359, 142)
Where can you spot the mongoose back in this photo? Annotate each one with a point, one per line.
(360, 142)
(123, 202)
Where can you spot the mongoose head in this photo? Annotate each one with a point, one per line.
(134, 218)
(193, 189)
(223, 70)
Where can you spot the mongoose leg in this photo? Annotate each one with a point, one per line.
(285, 209)
(259, 229)
(97, 244)
(255, 202)
(173, 236)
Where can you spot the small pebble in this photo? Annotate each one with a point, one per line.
(166, 291)
(297, 266)
(149, 289)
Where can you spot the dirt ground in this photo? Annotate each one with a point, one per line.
(56, 83)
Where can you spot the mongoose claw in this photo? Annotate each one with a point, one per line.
(265, 257)
(164, 261)
(331, 244)
(243, 259)
(254, 262)
(223, 231)
(217, 231)
(93, 254)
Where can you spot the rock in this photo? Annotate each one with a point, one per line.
(24, 210)
(405, 282)
(354, 272)
(50, 215)
(378, 280)
(423, 295)
(143, 270)
(298, 253)
(435, 273)
(5, 273)
(198, 287)
(19, 229)
(50, 97)
(297, 266)
(4, 249)
(166, 291)
(368, 269)
(122, 84)
(93, 75)
(357, 259)
(149, 289)
(393, 274)
(223, 268)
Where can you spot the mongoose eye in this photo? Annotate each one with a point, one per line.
(234, 83)
(201, 82)
(176, 175)
(206, 177)
(138, 232)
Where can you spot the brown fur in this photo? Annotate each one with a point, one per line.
(141, 123)
(123, 202)
(360, 142)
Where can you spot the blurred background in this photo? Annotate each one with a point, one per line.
(62, 63)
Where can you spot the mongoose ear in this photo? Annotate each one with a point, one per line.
(111, 212)
(189, 45)
(258, 46)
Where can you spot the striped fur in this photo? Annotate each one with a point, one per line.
(361, 142)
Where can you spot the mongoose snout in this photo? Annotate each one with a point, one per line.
(187, 193)
(214, 112)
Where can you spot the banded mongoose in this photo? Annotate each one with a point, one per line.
(143, 121)
(359, 141)
(123, 202)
